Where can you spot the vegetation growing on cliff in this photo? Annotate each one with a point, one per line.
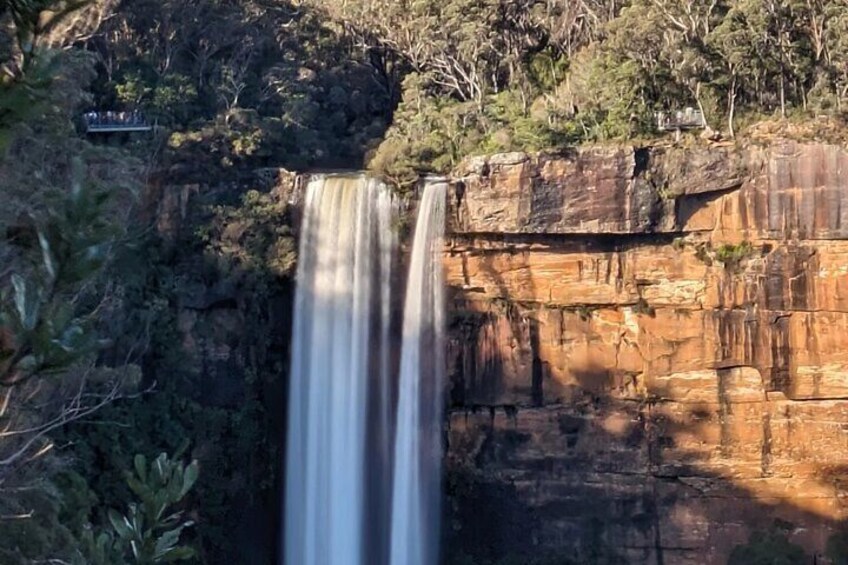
(486, 75)
(318, 82)
(64, 222)
(405, 87)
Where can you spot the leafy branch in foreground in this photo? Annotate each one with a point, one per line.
(28, 69)
(52, 298)
(42, 326)
(48, 309)
(151, 529)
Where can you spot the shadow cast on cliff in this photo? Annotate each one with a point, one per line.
(214, 273)
(488, 366)
(609, 494)
(609, 477)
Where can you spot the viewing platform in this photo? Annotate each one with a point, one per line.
(114, 122)
(688, 118)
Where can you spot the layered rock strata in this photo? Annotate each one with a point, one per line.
(649, 351)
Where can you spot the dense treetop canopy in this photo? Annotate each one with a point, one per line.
(324, 83)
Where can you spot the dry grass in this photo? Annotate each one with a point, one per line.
(826, 129)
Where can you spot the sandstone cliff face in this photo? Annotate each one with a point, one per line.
(649, 351)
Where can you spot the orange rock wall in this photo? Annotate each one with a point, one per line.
(649, 351)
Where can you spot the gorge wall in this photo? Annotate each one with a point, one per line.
(649, 351)
(648, 347)
(217, 270)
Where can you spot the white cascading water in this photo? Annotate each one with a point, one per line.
(416, 489)
(339, 349)
(363, 479)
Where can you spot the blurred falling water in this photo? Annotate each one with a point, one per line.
(341, 502)
(339, 371)
(416, 491)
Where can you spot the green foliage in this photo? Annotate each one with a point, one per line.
(170, 99)
(78, 500)
(35, 531)
(769, 547)
(192, 64)
(150, 531)
(432, 134)
(469, 75)
(46, 331)
(252, 236)
(233, 442)
(731, 256)
(514, 125)
(226, 147)
(173, 99)
(229, 444)
(605, 95)
(34, 19)
(738, 61)
(54, 524)
(28, 69)
(133, 89)
(27, 96)
(58, 230)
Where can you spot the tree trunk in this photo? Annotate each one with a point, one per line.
(731, 105)
(700, 104)
(799, 88)
(782, 96)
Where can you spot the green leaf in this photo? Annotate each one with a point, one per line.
(20, 297)
(178, 554)
(167, 541)
(171, 520)
(160, 465)
(135, 550)
(140, 463)
(181, 450)
(121, 525)
(72, 340)
(47, 255)
(27, 300)
(160, 504)
(189, 478)
(139, 488)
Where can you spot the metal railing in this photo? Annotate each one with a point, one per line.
(688, 118)
(109, 121)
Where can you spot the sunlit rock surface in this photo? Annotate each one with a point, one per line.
(649, 350)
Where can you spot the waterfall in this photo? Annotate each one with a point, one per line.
(363, 475)
(418, 442)
(340, 348)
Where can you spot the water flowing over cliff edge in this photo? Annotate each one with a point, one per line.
(646, 349)
(418, 453)
(363, 472)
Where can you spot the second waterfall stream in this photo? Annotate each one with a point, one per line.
(364, 438)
